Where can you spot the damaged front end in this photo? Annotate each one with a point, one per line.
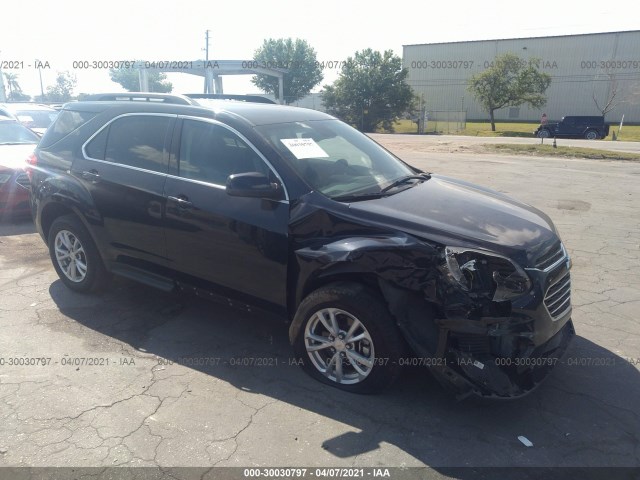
(484, 323)
(500, 327)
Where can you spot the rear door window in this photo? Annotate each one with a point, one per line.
(138, 141)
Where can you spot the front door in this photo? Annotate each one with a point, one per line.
(233, 242)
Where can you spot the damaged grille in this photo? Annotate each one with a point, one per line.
(551, 257)
(558, 297)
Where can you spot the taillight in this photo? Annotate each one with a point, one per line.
(32, 162)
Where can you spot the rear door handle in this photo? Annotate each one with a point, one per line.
(91, 175)
(181, 200)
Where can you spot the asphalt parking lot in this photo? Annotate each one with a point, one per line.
(135, 377)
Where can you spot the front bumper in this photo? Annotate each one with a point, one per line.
(486, 375)
(509, 356)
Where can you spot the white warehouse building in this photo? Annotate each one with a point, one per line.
(581, 67)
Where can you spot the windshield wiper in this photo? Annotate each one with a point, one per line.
(381, 193)
(358, 196)
(405, 179)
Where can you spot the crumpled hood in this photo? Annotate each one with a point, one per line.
(452, 211)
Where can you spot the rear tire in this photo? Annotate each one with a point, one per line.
(544, 133)
(348, 339)
(75, 256)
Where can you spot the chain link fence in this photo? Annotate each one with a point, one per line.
(445, 121)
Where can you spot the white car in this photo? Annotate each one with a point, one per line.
(35, 116)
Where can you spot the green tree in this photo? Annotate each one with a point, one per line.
(15, 91)
(298, 57)
(62, 89)
(12, 82)
(18, 96)
(371, 91)
(509, 82)
(130, 80)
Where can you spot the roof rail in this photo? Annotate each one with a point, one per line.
(140, 97)
(222, 96)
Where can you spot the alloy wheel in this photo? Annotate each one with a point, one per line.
(339, 346)
(70, 256)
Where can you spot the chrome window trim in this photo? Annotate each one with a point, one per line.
(199, 182)
(214, 185)
(177, 177)
(131, 114)
(126, 166)
(245, 140)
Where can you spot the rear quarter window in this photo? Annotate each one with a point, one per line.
(66, 122)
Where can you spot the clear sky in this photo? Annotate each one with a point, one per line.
(63, 31)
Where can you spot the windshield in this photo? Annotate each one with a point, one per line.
(334, 158)
(12, 133)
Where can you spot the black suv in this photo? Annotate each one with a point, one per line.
(591, 128)
(375, 263)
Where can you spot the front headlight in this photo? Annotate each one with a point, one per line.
(485, 274)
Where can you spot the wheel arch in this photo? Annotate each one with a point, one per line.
(336, 276)
(381, 339)
(50, 212)
(395, 257)
(396, 267)
(58, 208)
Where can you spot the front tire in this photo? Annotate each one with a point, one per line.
(75, 256)
(591, 135)
(348, 339)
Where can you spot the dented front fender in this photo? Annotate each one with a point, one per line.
(500, 349)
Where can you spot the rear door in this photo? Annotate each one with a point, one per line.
(232, 242)
(124, 168)
(567, 127)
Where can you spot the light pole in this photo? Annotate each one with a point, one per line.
(3, 96)
(40, 75)
(206, 58)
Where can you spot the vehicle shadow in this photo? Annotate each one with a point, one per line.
(512, 133)
(586, 414)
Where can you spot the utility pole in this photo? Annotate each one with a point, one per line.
(206, 57)
(3, 95)
(40, 74)
(206, 48)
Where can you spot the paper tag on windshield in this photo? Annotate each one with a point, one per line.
(304, 148)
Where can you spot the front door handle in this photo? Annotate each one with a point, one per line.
(181, 200)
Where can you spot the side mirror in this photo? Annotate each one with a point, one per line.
(255, 185)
